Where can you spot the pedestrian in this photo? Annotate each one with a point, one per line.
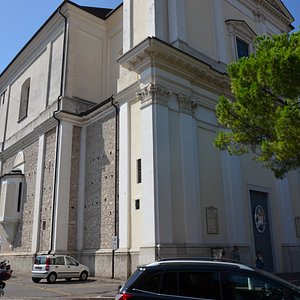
(259, 260)
(223, 254)
(235, 253)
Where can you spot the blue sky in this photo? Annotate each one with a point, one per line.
(20, 19)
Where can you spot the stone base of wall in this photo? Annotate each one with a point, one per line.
(21, 263)
(290, 259)
(121, 264)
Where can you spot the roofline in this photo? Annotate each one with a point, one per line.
(45, 24)
(113, 11)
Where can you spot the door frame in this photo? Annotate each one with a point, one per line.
(251, 222)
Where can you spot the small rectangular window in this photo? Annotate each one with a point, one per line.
(242, 48)
(139, 170)
(137, 204)
(19, 197)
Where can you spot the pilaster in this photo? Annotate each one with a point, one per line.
(220, 38)
(38, 195)
(283, 199)
(189, 170)
(233, 195)
(62, 197)
(156, 168)
(177, 27)
(124, 177)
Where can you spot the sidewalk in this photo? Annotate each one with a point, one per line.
(22, 287)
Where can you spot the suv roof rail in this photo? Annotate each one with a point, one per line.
(198, 258)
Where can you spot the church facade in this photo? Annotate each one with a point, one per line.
(107, 129)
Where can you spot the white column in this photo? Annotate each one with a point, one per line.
(124, 179)
(38, 195)
(190, 176)
(284, 204)
(81, 188)
(220, 31)
(60, 235)
(177, 26)
(233, 196)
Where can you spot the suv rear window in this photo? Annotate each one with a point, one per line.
(40, 260)
(43, 260)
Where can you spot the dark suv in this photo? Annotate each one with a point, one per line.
(205, 279)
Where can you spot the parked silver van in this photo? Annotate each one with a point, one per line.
(52, 267)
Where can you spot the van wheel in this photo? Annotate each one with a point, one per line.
(36, 280)
(51, 278)
(83, 276)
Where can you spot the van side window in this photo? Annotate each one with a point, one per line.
(59, 260)
(71, 261)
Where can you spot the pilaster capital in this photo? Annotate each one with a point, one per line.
(153, 94)
(186, 104)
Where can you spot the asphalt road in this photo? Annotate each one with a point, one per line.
(22, 287)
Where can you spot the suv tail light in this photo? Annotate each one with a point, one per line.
(123, 296)
(47, 264)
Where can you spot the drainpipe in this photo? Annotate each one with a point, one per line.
(6, 119)
(116, 181)
(62, 81)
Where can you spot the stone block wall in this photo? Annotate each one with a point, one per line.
(99, 209)
(73, 210)
(47, 190)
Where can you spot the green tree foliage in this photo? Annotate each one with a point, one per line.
(264, 117)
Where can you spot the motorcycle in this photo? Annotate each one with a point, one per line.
(5, 274)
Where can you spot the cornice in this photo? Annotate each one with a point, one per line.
(273, 7)
(153, 52)
(28, 139)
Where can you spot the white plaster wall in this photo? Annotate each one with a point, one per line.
(93, 48)
(38, 72)
(200, 26)
(55, 68)
(114, 50)
(211, 183)
(86, 57)
(140, 15)
(294, 187)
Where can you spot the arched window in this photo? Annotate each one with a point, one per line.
(25, 91)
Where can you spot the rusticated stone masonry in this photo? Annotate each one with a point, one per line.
(100, 184)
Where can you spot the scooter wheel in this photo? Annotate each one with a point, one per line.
(2, 285)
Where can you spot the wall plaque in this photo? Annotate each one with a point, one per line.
(212, 220)
(297, 224)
